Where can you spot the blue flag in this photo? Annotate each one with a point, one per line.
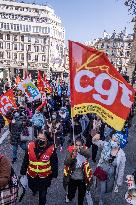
(123, 138)
(59, 90)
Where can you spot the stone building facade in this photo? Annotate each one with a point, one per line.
(31, 38)
(132, 62)
(118, 48)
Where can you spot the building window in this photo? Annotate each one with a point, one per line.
(129, 45)
(15, 56)
(45, 40)
(22, 56)
(8, 55)
(44, 58)
(29, 48)
(4, 26)
(36, 57)
(22, 38)
(27, 28)
(1, 36)
(1, 45)
(29, 38)
(8, 45)
(8, 37)
(22, 47)
(15, 46)
(102, 45)
(42, 48)
(44, 30)
(127, 54)
(1, 55)
(15, 38)
(29, 57)
(121, 53)
(36, 40)
(7, 26)
(36, 48)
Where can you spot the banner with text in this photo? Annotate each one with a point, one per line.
(7, 100)
(30, 90)
(97, 87)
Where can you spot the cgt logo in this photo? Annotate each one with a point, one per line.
(98, 86)
(6, 104)
(45, 158)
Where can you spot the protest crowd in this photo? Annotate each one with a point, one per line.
(37, 114)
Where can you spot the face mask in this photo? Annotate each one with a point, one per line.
(41, 143)
(114, 144)
(16, 114)
(53, 117)
(13, 121)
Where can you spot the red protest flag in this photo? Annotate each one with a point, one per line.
(7, 100)
(26, 74)
(42, 105)
(97, 87)
(47, 85)
(40, 83)
(17, 80)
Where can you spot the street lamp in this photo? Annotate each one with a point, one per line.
(27, 53)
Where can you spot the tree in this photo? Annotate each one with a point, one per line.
(131, 4)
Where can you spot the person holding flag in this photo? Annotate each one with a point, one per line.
(77, 171)
(47, 86)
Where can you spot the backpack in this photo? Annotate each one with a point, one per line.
(9, 194)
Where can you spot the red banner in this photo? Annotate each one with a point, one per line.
(7, 101)
(47, 85)
(40, 83)
(97, 87)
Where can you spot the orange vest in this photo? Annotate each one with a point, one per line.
(86, 168)
(39, 167)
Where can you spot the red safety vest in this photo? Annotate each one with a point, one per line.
(39, 167)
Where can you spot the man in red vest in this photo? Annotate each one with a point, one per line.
(41, 165)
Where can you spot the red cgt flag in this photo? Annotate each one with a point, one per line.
(7, 100)
(47, 85)
(97, 87)
(17, 80)
(40, 83)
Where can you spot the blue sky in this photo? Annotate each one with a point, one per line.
(85, 20)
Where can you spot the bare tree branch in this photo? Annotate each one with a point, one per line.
(131, 4)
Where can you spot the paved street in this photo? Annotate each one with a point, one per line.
(56, 194)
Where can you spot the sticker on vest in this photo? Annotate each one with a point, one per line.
(45, 158)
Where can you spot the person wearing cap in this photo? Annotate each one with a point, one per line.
(110, 169)
(40, 164)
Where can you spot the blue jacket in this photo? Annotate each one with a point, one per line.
(38, 120)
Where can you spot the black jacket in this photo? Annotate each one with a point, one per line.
(2, 121)
(15, 132)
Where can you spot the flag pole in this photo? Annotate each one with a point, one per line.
(70, 66)
(73, 133)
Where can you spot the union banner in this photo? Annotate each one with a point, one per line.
(7, 100)
(97, 87)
